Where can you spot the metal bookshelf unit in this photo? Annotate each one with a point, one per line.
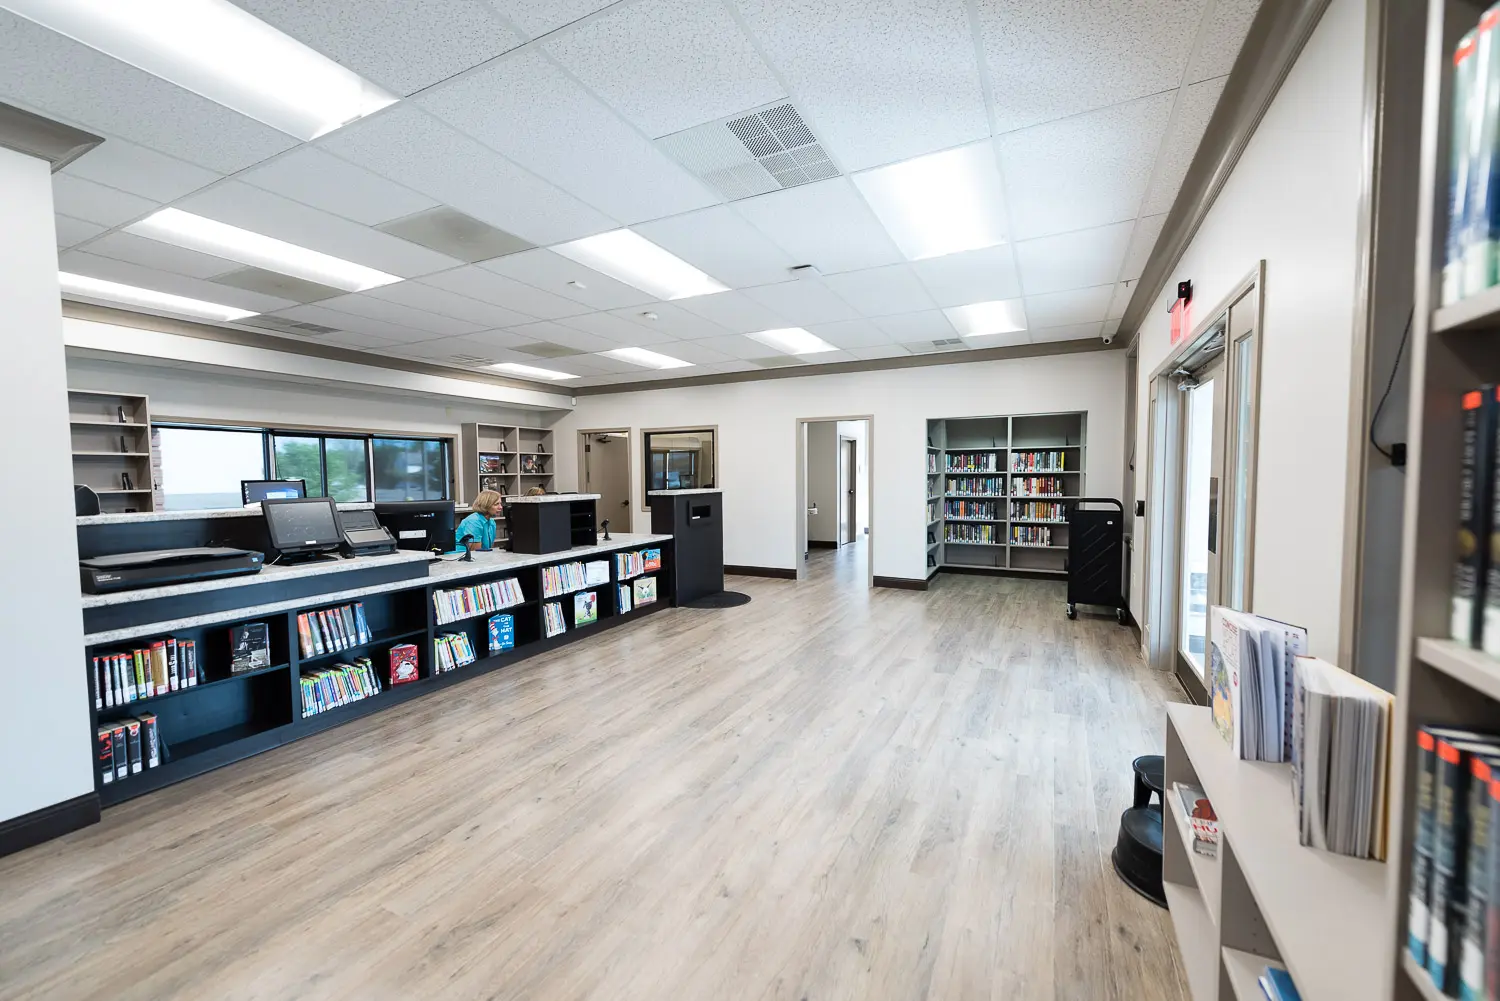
(985, 525)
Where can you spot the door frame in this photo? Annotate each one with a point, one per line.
(630, 440)
(849, 502)
(799, 512)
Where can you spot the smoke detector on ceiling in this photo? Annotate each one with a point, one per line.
(752, 153)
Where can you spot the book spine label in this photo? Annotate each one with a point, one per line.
(98, 688)
(1471, 563)
(174, 677)
(1418, 915)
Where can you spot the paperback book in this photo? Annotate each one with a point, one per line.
(502, 633)
(1250, 675)
(1203, 824)
(403, 662)
(585, 608)
(645, 590)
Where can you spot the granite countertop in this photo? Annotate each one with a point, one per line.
(270, 573)
(142, 517)
(500, 561)
(551, 498)
(693, 490)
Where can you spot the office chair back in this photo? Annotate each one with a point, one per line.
(85, 501)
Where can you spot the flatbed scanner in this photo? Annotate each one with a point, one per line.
(159, 567)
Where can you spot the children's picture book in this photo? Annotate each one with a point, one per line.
(622, 598)
(1250, 674)
(502, 630)
(645, 590)
(404, 668)
(585, 608)
(651, 559)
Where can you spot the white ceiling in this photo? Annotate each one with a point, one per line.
(540, 118)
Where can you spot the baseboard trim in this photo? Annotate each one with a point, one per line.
(1002, 572)
(901, 583)
(821, 545)
(779, 573)
(49, 822)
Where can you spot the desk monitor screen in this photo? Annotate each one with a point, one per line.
(303, 525)
(419, 525)
(255, 491)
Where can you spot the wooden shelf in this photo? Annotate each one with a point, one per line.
(978, 521)
(118, 490)
(112, 455)
(101, 423)
(1207, 871)
(1025, 521)
(378, 639)
(128, 707)
(1474, 668)
(1244, 969)
(1480, 311)
(956, 542)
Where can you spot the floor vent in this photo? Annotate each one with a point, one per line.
(752, 153)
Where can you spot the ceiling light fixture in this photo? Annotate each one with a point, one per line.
(183, 229)
(941, 203)
(792, 340)
(531, 371)
(631, 258)
(218, 51)
(646, 359)
(96, 288)
(982, 319)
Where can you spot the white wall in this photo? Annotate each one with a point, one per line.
(757, 424)
(45, 741)
(859, 431)
(1293, 201)
(823, 481)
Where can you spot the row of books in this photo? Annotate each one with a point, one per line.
(127, 747)
(934, 511)
(478, 599)
(566, 577)
(451, 651)
(553, 622)
(971, 509)
(1475, 609)
(1453, 911)
(1031, 535)
(985, 534)
(161, 666)
(339, 685)
(1038, 462)
(628, 565)
(329, 630)
(1038, 486)
(1471, 254)
(932, 462)
(1038, 511)
(973, 462)
(987, 486)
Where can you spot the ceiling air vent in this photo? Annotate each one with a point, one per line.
(470, 361)
(449, 231)
(751, 153)
(543, 349)
(285, 326)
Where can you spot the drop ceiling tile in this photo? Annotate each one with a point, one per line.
(698, 352)
(735, 312)
(445, 303)
(802, 302)
(1119, 300)
(846, 334)
(407, 145)
(55, 76)
(487, 286)
(403, 47)
(1111, 327)
(340, 320)
(719, 242)
(71, 232)
(111, 270)
(672, 320)
(1072, 332)
(1086, 171)
(1106, 53)
(548, 332)
(1195, 106)
(825, 224)
(353, 339)
(529, 110)
(876, 351)
(91, 202)
(162, 256)
(735, 346)
(730, 367)
(550, 272)
(881, 291)
(1219, 40)
(1079, 259)
(313, 177)
(619, 330)
(271, 215)
(1008, 339)
(140, 171)
(973, 276)
(537, 17)
(376, 308)
(459, 352)
(1061, 309)
(878, 82)
(1142, 242)
(907, 328)
(497, 341)
(714, 70)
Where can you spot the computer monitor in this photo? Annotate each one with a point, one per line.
(255, 491)
(419, 525)
(302, 527)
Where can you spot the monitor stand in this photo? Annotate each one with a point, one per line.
(298, 558)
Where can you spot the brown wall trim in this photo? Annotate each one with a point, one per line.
(902, 583)
(49, 822)
(43, 138)
(780, 573)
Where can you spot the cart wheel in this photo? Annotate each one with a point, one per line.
(1072, 611)
(1120, 616)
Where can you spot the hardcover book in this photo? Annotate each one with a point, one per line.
(502, 631)
(585, 608)
(404, 668)
(250, 647)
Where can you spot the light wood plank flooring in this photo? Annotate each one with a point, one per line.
(827, 794)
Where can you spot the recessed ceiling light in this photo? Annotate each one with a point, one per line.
(940, 203)
(792, 340)
(218, 51)
(631, 258)
(96, 288)
(646, 359)
(531, 371)
(194, 232)
(980, 319)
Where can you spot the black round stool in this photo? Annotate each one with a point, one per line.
(1137, 854)
(1150, 777)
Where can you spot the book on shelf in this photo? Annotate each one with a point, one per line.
(978, 534)
(1031, 535)
(249, 647)
(1037, 486)
(983, 486)
(553, 623)
(651, 559)
(595, 572)
(451, 651)
(331, 687)
(1038, 511)
(1276, 984)
(585, 608)
(1203, 823)
(932, 462)
(502, 633)
(971, 510)
(622, 598)
(404, 664)
(1471, 256)
(330, 630)
(1424, 831)
(628, 565)
(563, 578)
(1038, 462)
(159, 667)
(489, 462)
(126, 747)
(1250, 682)
(644, 590)
(533, 464)
(478, 599)
(973, 462)
(1475, 503)
(1341, 760)
(495, 483)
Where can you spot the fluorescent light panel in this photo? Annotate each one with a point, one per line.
(129, 295)
(628, 257)
(792, 340)
(183, 229)
(981, 319)
(941, 203)
(529, 371)
(218, 51)
(646, 359)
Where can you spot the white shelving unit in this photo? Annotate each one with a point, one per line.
(504, 458)
(111, 440)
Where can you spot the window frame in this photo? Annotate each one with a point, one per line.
(646, 465)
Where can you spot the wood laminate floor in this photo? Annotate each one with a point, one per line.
(830, 793)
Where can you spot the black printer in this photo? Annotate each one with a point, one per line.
(158, 567)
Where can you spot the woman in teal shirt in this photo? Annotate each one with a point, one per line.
(480, 526)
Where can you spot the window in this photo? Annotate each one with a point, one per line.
(410, 469)
(679, 460)
(300, 459)
(202, 467)
(332, 467)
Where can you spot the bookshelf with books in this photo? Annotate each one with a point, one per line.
(506, 458)
(1007, 471)
(113, 451)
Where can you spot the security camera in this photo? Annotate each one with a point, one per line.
(1109, 338)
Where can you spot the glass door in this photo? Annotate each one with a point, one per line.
(1204, 395)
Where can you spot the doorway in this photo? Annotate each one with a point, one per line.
(605, 460)
(848, 489)
(834, 496)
